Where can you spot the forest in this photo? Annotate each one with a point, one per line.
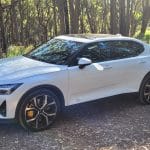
(27, 23)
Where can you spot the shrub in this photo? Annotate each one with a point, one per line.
(18, 50)
(146, 37)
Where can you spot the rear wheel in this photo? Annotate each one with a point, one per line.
(145, 91)
(39, 110)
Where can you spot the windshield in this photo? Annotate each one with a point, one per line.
(56, 51)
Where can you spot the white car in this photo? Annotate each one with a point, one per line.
(68, 70)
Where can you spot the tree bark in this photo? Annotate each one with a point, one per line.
(14, 22)
(146, 16)
(113, 17)
(128, 17)
(55, 19)
(63, 16)
(75, 12)
(66, 17)
(122, 15)
(2, 32)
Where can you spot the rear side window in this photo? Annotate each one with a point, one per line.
(113, 50)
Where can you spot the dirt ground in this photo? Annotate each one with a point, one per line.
(116, 123)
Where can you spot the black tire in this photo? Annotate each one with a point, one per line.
(42, 106)
(144, 93)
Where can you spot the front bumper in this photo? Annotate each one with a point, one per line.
(3, 109)
(7, 107)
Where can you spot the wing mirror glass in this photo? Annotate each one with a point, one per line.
(83, 62)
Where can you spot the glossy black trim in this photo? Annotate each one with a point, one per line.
(6, 121)
(83, 66)
(3, 109)
(70, 63)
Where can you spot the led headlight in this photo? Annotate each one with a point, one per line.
(7, 89)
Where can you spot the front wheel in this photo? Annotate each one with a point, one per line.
(39, 110)
(145, 91)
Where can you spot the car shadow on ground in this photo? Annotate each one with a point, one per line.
(119, 121)
(105, 106)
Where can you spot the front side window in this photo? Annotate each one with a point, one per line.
(97, 52)
(91, 52)
(56, 51)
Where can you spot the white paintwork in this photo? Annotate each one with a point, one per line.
(73, 39)
(84, 61)
(95, 81)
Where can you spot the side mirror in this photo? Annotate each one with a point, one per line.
(83, 62)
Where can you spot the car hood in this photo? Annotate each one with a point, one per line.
(22, 67)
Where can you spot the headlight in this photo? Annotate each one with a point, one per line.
(7, 89)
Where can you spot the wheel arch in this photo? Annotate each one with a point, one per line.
(48, 87)
(148, 74)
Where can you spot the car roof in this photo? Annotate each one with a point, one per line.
(89, 38)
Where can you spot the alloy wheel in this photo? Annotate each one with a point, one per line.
(147, 91)
(40, 111)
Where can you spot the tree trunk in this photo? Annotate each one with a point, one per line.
(66, 17)
(113, 17)
(63, 16)
(146, 16)
(14, 22)
(128, 17)
(91, 16)
(20, 7)
(3, 42)
(122, 16)
(74, 6)
(55, 19)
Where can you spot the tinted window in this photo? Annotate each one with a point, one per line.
(120, 49)
(92, 52)
(110, 50)
(56, 51)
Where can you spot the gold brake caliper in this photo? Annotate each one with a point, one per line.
(30, 114)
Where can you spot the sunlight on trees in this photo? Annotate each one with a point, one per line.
(31, 22)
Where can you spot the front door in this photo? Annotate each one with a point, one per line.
(112, 71)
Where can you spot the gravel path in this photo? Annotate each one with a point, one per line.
(116, 123)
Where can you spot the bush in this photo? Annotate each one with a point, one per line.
(146, 37)
(18, 50)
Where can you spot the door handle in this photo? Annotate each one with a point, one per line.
(107, 67)
(142, 62)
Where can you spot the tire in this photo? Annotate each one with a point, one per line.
(144, 93)
(38, 110)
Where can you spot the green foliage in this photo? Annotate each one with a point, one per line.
(31, 22)
(18, 50)
(146, 37)
(5, 2)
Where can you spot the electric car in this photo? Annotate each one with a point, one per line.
(71, 69)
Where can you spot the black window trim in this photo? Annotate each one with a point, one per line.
(96, 42)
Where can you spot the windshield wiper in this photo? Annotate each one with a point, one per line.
(32, 57)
